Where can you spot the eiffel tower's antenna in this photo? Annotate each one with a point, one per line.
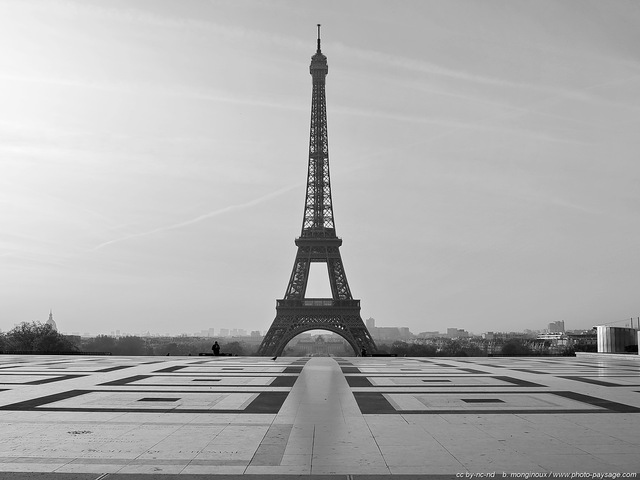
(318, 37)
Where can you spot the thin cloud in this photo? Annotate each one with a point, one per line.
(145, 17)
(422, 66)
(149, 88)
(201, 218)
(132, 15)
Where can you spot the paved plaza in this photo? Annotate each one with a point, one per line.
(124, 417)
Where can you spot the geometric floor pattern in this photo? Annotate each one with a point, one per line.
(114, 417)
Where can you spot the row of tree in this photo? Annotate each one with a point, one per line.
(132, 345)
(459, 348)
(451, 348)
(36, 337)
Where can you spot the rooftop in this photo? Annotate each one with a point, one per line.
(122, 417)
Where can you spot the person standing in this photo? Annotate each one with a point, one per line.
(216, 349)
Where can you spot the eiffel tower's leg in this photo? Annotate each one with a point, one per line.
(338, 279)
(299, 276)
(271, 344)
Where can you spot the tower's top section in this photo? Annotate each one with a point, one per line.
(318, 211)
(318, 65)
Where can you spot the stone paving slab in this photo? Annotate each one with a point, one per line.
(83, 417)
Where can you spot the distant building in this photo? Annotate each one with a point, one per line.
(457, 333)
(387, 333)
(405, 334)
(51, 321)
(429, 334)
(554, 343)
(616, 339)
(224, 332)
(556, 327)
(332, 345)
(585, 341)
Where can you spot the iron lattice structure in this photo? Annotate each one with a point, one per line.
(318, 242)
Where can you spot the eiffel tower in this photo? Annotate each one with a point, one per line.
(318, 242)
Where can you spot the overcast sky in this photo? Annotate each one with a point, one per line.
(484, 160)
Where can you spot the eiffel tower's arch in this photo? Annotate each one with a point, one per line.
(291, 322)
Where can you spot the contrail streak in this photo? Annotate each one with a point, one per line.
(200, 218)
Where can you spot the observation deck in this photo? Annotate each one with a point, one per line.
(318, 302)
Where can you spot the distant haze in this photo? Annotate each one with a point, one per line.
(485, 160)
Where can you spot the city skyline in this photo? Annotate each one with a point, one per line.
(484, 160)
(226, 331)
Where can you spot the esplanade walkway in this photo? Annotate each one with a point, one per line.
(102, 417)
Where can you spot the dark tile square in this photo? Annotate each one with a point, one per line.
(151, 399)
(283, 382)
(482, 400)
(350, 370)
(292, 370)
(359, 381)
